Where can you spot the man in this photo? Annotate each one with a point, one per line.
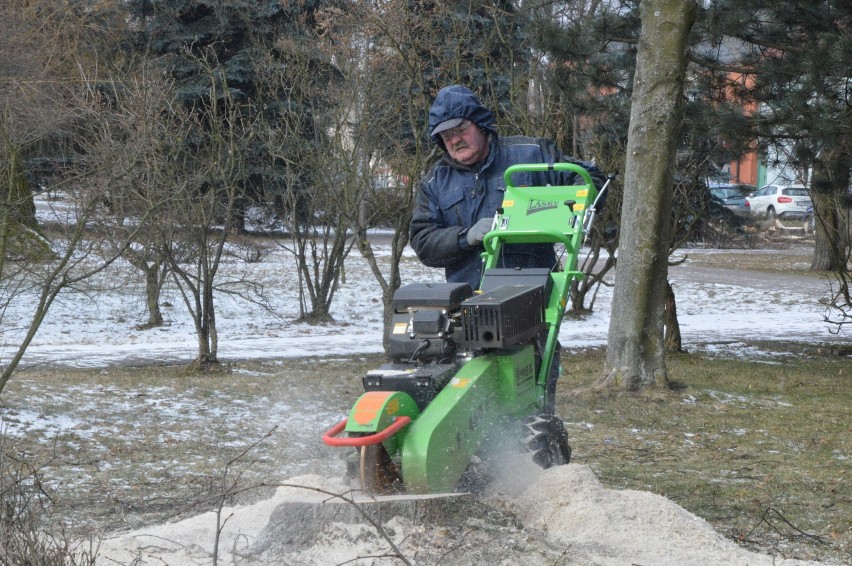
(459, 196)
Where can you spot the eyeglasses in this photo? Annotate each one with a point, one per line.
(459, 130)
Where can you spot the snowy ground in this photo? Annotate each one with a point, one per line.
(96, 327)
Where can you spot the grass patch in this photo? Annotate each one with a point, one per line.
(794, 259)
(759, 449)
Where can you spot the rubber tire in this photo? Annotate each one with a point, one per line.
(547, 441)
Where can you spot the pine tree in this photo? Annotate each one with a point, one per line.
(481, 44)
(242, 53)
(799, 56)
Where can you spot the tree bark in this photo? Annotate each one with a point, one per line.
(674, 341)
(636, 350)
(20, 235)
(153, 287)
(154, 278)
(829, 188)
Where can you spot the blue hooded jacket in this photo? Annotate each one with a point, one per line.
(452, 197)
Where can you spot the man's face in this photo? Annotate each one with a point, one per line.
(466, 143)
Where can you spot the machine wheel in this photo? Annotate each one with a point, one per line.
(547, 441)
(377, 473)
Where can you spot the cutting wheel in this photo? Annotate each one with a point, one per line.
(379, 475)
(547, 441)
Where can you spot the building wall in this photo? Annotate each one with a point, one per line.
(746, 169)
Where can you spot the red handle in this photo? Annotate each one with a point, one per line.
(329, 437)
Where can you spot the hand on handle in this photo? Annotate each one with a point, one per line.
(477, 232)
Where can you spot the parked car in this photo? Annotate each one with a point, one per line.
(733, 196)
(777, 201)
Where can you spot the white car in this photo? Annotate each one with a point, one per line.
(777, 201)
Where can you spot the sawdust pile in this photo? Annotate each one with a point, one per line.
(564, 516)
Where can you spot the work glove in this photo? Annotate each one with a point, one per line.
(477, 232)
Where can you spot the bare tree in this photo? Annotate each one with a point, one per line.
(393, 100)
(75, 261)
(315, 198)
(202, 209)
(636, 350)
(182, 168)
(49, 103)
(36, 59)
(139, 147)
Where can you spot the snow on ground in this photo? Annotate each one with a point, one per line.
(97, 326)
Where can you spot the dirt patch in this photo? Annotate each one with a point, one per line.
(788, 255)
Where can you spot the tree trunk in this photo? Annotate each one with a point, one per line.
(206, 333)
(153, 287)
(154, 277)
(20, 235)
(825, 254)
(208, 313)
(674, 343)
(829, 188)
(636, 350)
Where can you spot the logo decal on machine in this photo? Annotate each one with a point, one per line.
(524, 374)
(541, 205)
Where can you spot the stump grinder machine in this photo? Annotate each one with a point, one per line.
(466, 365)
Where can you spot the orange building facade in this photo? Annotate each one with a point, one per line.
(746, 169)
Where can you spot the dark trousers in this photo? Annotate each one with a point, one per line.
(553, 376)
